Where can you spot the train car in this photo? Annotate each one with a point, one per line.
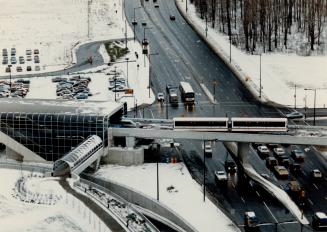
(201, 124)
(259, 124)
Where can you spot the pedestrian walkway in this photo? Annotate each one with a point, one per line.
(102, 214)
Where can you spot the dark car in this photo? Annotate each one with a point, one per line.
(172, 17)
(230, 166)
(271, 162)
(295, 168)
(28, 68)
(297, 155)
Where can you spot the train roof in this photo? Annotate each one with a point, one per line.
(259, 119)
(200, 119)
(17, 105)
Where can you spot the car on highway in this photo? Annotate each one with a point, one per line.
(208, 150)
(143, 23)
(250, 220)
(284, 161)
(156, 6)
(316, 174)
(281, 172)
(271, 162)
(297, 155)
(172, 17)
(220, 176)
(263, 151)
(294, 115)
(319, 221)
(161, 97)
(230, 166)
(278, 151)
(295, 168)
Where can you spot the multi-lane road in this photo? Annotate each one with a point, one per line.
(183, 56)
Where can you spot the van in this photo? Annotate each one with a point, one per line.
(173, 97)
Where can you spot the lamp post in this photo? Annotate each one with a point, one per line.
(134, 23)
(150, 71)
(9, 66)
(115, 79)
(230, 48)
(204, 171)
(145, 43)
(127, 59)
(260, 79)
(214, 89)
(314, 103)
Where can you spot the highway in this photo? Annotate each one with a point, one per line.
(183, 56)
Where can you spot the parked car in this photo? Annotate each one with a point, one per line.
(4, 52)
(230, 166)
(172, 17)
(13, 51)
(29, 68)
(19, 69)
(263, 151)
(21, 60)
(36, 59)
(81, 96)
(5, 60)
(13, 60)
(37, 68)
(28, 58)
(28, 52)
(297, 155)
(36, 51)
(281, 172)
(294, 115)
(220, 176)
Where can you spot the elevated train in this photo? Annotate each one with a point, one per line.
(234, 124)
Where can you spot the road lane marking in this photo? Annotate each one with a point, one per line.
(316, 186)
(310, 201)
(270, 212)
(243, 200)
(257, 193)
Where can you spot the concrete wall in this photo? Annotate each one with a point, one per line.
(124, 156)
(143, 201)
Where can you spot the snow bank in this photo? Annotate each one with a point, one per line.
(178, 191)
(280, 72)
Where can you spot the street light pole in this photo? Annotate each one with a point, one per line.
(295, 96)
(260, 79)
(230, 48)
(214, 90)
(9, 66)
(186, 5)
(127, 59)
(314, 108)
(115, 79)
(158, 178)
(204, 172)
(134, 21)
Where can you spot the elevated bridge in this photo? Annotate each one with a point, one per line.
(80, 157)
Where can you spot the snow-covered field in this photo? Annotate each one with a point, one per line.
(177, 190)
(280, 72)
(66, 215)
(55, 27)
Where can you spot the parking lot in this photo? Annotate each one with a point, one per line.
(20, 61)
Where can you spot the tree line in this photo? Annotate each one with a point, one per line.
(267, 24)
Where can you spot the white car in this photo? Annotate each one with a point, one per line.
(316, 173)
(208, 150)
(279, 151)
(161, 97)
(263, 151)
(220, 175)
(294, 115)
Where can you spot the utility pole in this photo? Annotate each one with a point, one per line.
(260, 79)
(186, 5)
(295, 96)
(230, 48)
(127, 59)
(206, 26)
(125, 33)
(115, 79)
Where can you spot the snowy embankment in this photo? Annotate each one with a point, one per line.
(26, 214)
(55, 27)
(177, 190)
(280, 72)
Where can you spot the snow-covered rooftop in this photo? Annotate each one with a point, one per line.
(58, 106)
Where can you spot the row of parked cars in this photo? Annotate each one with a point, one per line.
(18, 88)
(21, 59)
(117, 84)
(75, 87)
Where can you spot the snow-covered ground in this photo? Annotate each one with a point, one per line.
(138, 79)
(280, 72)
(55, 27)
(66, 215)
(178, 191)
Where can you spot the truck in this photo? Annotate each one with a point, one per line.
(173, 97)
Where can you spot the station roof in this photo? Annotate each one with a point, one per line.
(58, 106)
